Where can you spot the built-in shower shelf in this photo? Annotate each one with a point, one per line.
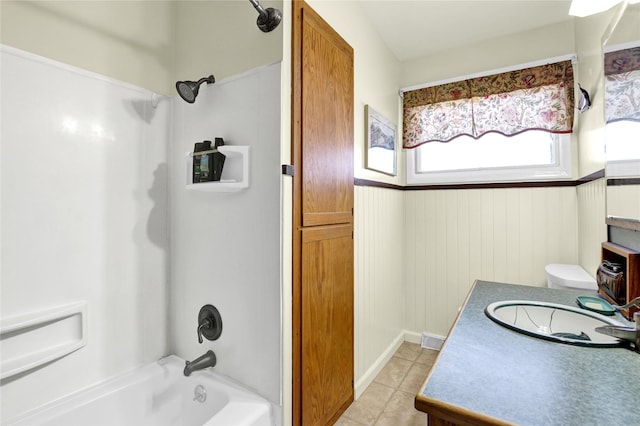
(37, 338)
(235, 173)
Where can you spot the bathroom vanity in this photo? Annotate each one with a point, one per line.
(487, 374)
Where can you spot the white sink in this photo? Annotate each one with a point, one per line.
(554, 322)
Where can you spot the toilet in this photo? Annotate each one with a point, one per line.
(569, 277)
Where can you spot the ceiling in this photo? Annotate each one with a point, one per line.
(419, 28)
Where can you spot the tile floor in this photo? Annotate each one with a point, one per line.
(389, 399)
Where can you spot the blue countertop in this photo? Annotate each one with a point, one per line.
(513, 378)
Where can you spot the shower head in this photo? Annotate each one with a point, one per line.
(268, 19)
(188, 90)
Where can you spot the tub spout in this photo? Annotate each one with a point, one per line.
(203, 361)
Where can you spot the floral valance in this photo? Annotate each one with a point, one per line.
(622, 85)
(537, 98)
(622, 61)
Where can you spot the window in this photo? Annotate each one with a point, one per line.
(531, 155)
(509, 126)
(622, 111)
(623, 148)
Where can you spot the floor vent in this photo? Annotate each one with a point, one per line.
(429, 341)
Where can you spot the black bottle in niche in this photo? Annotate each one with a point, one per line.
(201, 153)
(218, 159)
(207, 161)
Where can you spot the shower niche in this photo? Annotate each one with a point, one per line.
(235, 173)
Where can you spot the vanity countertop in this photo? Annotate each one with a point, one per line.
(488, 374)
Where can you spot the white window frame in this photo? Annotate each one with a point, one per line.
(559, 170)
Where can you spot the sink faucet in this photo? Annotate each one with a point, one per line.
(630, 334)
(203, 361)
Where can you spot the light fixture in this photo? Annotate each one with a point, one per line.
(584, 103)
(582, 8)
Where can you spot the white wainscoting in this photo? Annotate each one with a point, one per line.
(453, 237)
(418, 252)
(379, 292)
(592, 225)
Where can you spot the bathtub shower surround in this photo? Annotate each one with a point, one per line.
(225, 246)
(157, 394)
(35, 339)
(84, 218)
(88, 167)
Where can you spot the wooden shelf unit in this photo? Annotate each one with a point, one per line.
(630, 261)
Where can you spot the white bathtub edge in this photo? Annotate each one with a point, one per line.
(245, 407)
(247, 413)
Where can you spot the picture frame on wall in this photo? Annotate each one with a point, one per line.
(380, 142)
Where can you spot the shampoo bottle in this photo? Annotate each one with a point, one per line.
(201, 159)
(217, 160)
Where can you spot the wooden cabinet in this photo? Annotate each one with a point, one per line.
(322, 156)
(327, 322)
(326, 151)
(630, 261)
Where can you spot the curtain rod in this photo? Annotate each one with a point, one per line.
(572, 57)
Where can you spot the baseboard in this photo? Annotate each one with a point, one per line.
(412, 337)
(367, 378)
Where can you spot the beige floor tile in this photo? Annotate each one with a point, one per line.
(408, 351)
(389, 399)
(346, 421)
(427, 356)
(415, 378)
(394, 372)
(400, 411)
(370, 404)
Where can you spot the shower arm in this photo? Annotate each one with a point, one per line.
(258, 7)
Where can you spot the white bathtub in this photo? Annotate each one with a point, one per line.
(157, 394)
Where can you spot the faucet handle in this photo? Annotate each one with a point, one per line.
(205, 324)
(635, 302)
(209, 323)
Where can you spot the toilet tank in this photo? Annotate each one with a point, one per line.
(569, 276)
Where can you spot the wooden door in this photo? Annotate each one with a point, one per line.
(322, 155)
(327, 124)
(327, 322)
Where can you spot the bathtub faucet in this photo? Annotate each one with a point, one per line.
(203, 361)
